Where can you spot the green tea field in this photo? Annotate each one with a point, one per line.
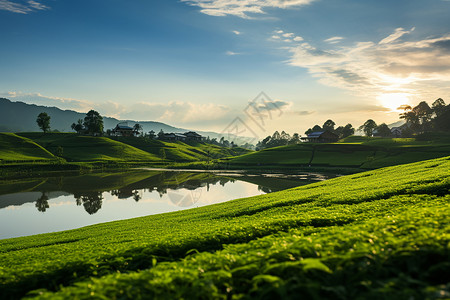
(381, 234)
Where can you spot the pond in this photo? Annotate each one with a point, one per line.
(41, 205)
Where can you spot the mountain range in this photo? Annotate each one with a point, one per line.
(21, 117)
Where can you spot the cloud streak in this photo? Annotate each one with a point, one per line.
(180, 113)
(334, 40)
(24, 7)
(374, 68)
(242, 8)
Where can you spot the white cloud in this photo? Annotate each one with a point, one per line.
(175, 112)
(399, 32)
(23, 7)
(236, 32)
(334, 40)
(414, 68)
(37, 5)
(288, 37)
(242, 8)
(231, 53)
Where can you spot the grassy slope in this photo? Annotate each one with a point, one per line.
(182, 152)
(14, 148)
(87, 148)
(378, 234)
(356, 152)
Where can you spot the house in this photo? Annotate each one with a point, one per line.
(396, 131)
(182, 137)
(193, 136)
(122, 129)
(173, 137)
(321, 137)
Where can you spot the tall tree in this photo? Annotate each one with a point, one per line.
(368, 127)
(43, 121)
(328, 125)
(383, 130)
(438, 107)
(424, 113)
(93, 122)
(161, 135)
(348, 130)
(295, 139)
(137, 128)
(78, 127)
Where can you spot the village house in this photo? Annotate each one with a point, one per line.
(396, 132)
(321, 137)
(193, 136)
(122, 129)
(182, 137)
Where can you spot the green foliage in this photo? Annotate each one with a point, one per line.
(355, 152)
(182, 152)
(14, 148)
(43, 121)
(93, 122)
(368, 127)
(88, 148)
(381, 234)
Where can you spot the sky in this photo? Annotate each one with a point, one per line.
(203, 64)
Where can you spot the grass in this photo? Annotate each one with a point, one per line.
(87, 148)
(14, 148)
(353, 152)
(182, 152)
(381, 234)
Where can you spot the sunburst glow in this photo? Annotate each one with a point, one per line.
(393, 100)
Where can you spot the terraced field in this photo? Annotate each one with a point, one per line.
(14, 148)
(382, 234)
(353, 152)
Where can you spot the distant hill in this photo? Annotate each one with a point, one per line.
(21, 117)
(397, 124)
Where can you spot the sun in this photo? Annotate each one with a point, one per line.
(393, 101)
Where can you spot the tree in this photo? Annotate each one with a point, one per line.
(137, 128)
(93, 122)
(348, 130)
(438, 107)
(383, 130)
(295, 139)
(161, 135)
(42, 202)
(368, 127)
(442, 122)
(78, 127)
(43, 121)
(151, 134)
(424, 114)
(328, 125)
(317, 128)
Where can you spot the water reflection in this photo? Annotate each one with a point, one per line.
(42, 202)
(41, 205)
(91, 202)
(183, 189)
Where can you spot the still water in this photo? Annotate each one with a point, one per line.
(40, 205)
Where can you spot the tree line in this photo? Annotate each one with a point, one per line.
(423, 118)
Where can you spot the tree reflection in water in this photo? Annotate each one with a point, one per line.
(92, 201)
(42, 202)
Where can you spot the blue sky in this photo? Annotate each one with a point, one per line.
(196, 64)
